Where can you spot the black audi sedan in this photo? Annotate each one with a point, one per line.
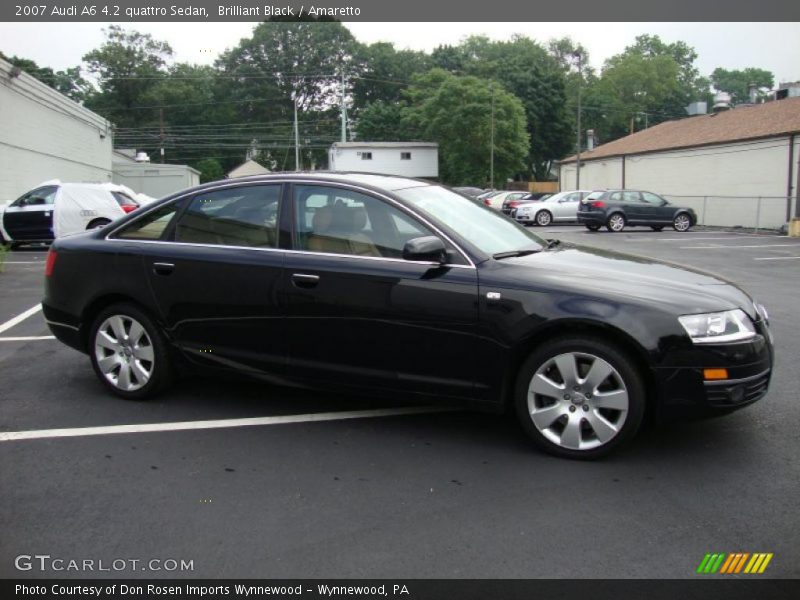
(363, 282)
(618, 208)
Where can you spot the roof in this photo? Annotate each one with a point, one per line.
(385, 145)
(771, 119)
(247, 168)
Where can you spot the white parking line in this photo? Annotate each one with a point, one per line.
(28, 338)
(24, 262)
(20, 318)
(722, 247)
(692, 239)
(779, 258)
(7, 436)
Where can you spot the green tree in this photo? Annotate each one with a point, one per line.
(457, 113)
(525, 69)
(385, 122)
(69, 82)
(383, 73)
(127, 66)
(737, 82)
(210, 170)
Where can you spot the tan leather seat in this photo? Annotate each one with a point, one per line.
(338, 230)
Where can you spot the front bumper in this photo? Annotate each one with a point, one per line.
(685, 393)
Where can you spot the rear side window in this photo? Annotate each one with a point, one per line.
(239, 216)
(631, 197)
(152, 226)
(595, 196)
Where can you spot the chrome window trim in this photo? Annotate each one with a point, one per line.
(323, 183)
(309, 252)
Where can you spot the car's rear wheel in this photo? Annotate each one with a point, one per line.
(593, 227)
(656, 227)
(579, 397)
(682, 222)
(98, 224)
(616, 223)
(544, 218)
(129, 353)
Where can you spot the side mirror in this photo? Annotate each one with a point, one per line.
(425, 249)
(664, 202)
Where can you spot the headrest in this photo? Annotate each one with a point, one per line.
(323, 219)
(358, 218)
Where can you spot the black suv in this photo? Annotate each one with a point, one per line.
(617, 208)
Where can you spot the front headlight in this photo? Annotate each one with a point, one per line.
(524, 210)
(718, 327)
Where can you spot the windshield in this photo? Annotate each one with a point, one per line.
(488, 230)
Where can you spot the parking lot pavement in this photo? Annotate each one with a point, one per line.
(452, 494)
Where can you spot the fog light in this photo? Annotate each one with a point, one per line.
(715, 373)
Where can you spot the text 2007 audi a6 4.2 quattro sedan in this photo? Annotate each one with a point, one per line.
(352, 281)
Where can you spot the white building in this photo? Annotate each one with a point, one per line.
(248, 168)
(44, 135)
(408, 159)
(154, 179)
(735, 167)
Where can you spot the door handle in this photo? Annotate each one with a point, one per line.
(162, 268)
(303, 280)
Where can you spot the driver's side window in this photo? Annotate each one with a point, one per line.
(44, 196)
(653, 199)
(341, 221)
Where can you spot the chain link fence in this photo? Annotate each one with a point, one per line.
(753, 212)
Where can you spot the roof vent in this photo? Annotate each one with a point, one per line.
(141, 157)
(722, 101)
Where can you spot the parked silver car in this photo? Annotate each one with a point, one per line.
(558, 208)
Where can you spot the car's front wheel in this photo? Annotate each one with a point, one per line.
(682, 222)
(579, 397)
(129, 353)
(616, 223)
(544, 218)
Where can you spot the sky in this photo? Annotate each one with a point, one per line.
(771, 46)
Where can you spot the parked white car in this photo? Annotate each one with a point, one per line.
(54, 209)
(496, 201)
(558, 208)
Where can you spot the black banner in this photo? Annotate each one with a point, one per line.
(410, 589)
(393, 10)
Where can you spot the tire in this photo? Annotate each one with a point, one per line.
(570, 424)
(615, 222)
(544, 218)
(593, 227)
(140, 359)
(656, 227)
(97, 224)
(682, 222)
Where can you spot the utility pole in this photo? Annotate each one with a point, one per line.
(491, 144)
(161, 135)
(296, 139)
(344, 113)
(577, 55)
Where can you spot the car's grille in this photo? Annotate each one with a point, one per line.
(744, 392)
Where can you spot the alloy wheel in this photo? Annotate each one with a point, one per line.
(682, 222)
(578, 401)
(543, 218)
(124, 352)
(616, 222)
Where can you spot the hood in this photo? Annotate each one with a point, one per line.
(625, 277)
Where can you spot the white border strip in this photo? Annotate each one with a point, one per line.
(8, 436)
(779, 258)
(20, 318)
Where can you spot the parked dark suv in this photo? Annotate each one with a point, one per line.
(394, 286)
(617, 208)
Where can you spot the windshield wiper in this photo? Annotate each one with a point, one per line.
(513, 253)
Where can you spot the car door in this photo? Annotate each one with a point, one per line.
(215, 275)
(635, 208)
(359, 314)
(566, 207)
(30, 218)
(658, 208)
